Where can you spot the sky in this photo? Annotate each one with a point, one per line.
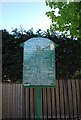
(25, 14)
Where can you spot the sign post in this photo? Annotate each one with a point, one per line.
(39, 66)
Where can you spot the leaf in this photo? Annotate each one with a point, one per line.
(69, 19)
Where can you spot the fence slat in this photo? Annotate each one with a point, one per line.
(63, 101)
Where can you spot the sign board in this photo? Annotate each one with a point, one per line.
(39, 62)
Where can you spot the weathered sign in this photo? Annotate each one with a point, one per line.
(39, 62)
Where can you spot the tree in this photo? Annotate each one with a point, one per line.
(68, 17)
(12, 53)
(11, 57)
(68, 54)
(67, 21)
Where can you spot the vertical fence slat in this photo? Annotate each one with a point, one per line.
(55, 104)
(76, 98)
(34, 108)
(23, 103)
(11, 89)
(31, 103)
(42, 107)
(16, 105)
(21, 100)
(9, 101)
(27, 102)
(4, 101)
(71, 103)
(13, 100)
(44, 103)
(57, 100)
(69, 99)
(74, 104)
(51, 102)
(61, 99)
(59, 81)
(7, 86)
(64, 101)
(67, 90)
(80, 97)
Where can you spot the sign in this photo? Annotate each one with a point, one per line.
(39, 62)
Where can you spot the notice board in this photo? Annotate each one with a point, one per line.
(39, 63)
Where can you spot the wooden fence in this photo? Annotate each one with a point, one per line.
(64, 101)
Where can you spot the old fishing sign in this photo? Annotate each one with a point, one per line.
(39, 63)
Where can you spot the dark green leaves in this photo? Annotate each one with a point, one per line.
(69, 18)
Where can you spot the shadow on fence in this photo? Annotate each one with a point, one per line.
(64, 101)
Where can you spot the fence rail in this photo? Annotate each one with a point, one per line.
(64, 101)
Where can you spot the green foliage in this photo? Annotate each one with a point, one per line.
(68, 59)
(11, 56)
(68, 18)
(68, 54)
(12, 53)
